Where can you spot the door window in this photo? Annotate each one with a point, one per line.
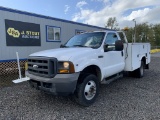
(110, 40)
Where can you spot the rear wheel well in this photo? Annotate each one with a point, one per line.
(93, 69)
(144, 60)
(146, 66)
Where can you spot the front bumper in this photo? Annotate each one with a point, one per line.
(61, 84)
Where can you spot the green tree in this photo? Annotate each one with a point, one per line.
(129, 33)
(156, 30)
(142, 32)
(112, 23)
(145, 33)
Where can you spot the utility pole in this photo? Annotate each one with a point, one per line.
(134, 30)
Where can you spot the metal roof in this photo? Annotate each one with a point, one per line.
(47, 17)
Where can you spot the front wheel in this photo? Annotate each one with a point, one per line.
(87, 92)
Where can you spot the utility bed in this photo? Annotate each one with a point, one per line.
(134, 54)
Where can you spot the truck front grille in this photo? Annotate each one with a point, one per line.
(42, 66)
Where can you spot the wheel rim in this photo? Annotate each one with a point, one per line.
(90, 90)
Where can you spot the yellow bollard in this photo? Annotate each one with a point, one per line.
(26, 66)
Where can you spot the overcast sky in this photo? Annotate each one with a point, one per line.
(93, 12)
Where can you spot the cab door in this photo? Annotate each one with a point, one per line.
(114, 60)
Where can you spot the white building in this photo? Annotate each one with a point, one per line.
(25, 33)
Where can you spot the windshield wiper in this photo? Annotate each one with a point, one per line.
(63, 46)
(79, 46)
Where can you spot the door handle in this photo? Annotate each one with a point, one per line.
(101, 56)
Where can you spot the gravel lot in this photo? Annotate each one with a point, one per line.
(124, 99)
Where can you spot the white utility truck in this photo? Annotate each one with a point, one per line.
(85, 61)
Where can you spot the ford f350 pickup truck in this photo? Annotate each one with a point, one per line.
(85, 61)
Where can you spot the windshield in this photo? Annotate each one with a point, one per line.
(93, 40)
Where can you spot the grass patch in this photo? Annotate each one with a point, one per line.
(154, 51)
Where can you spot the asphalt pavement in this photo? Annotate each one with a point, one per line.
(156, 54)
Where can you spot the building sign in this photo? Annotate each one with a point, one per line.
(22, 33)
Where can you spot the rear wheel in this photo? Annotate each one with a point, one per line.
(140, 70)
(87, 91)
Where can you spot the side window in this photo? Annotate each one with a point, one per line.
(111, 38)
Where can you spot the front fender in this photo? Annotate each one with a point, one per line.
(83, 64)
(87, 58)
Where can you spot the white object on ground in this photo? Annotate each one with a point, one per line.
(20, 77)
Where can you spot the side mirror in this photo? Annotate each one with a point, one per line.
(118, 45)
(105, 47)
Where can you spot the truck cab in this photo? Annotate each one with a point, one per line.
(85, 61)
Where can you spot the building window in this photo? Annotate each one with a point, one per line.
(79, 32)
(53, 33)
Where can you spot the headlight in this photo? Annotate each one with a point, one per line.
(65, 67)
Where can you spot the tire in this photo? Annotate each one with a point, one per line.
(87, 91)
(140, 71)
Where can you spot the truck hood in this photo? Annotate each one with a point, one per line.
(62, 53)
